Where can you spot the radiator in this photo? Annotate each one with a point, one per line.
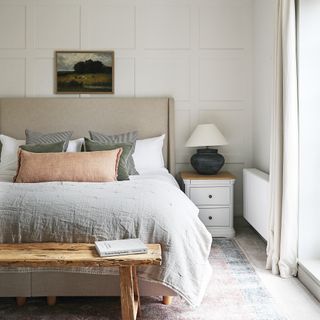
(256, 200)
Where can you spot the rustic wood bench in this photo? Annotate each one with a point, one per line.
(64, 255)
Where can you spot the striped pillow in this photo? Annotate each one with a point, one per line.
(33, 137)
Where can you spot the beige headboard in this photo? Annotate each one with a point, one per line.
(150, 116)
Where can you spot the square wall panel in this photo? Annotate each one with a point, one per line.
(163, 77)
(222, 79)
(110, 27)
(124, 77)
(43, 77)
(12, 77)
(164, 27)
(57, 26)
(224, 25)
(182, 124)
(12, 26)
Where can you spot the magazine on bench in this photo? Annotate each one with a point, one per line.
(120, 247)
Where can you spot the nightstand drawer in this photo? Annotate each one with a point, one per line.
(215, 217)
(210, 195)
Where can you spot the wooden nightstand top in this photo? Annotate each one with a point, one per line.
(223, 175)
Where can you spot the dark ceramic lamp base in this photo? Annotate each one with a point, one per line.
(207, 161)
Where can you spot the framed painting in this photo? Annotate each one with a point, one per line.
(85, 72)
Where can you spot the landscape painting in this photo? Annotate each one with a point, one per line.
(84, 71)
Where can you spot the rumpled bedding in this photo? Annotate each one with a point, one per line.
(153, 210)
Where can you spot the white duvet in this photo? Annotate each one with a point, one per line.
(149, 207)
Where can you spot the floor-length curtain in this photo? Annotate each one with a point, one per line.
(283, 223)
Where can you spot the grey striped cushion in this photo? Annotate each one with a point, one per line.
(33, 137)
(128, 137)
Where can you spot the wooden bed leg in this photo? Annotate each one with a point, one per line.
(167, 300)
(21, 301)
(51, 300)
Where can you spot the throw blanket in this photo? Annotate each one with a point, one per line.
(154, 211)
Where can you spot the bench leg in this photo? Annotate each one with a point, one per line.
(136, 289)
(21, 301)
(129, 305)
(51, 300)
(167, 300)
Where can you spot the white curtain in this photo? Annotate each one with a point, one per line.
(283, 224)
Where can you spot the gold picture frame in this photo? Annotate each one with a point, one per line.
(87, 72)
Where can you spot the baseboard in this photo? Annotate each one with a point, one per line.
(240, 221)
(309, 278)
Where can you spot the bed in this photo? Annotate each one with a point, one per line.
(149, 206)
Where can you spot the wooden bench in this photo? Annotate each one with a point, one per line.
(64, 255)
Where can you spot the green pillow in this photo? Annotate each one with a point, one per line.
(44, 147)
(91, 145)
(129, 137)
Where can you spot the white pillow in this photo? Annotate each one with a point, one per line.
(7, 176)
(9, 153)
(75, 145)
(148, 155)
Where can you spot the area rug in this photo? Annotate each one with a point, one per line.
(235, 293)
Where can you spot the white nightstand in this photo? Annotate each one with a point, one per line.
(213, 195)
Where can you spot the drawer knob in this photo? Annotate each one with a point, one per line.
(210, 196)
(210, 217)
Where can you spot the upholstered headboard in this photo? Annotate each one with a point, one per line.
(150, 116)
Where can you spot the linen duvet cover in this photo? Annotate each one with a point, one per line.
(149, 207)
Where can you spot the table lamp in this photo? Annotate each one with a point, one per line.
(206, 161)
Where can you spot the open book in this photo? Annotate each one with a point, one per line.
(120, 247)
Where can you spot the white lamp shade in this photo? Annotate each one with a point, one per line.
(206, 135)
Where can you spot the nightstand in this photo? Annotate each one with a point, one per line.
(213, 195)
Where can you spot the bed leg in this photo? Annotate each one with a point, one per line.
(21, 301)
(51, 300)
(167, 300)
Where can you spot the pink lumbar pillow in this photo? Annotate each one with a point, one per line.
(101, 166)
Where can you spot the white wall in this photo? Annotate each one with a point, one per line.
(198, 51)
(263, 74)
(309, 112)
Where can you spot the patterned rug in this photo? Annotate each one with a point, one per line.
(235, 293)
